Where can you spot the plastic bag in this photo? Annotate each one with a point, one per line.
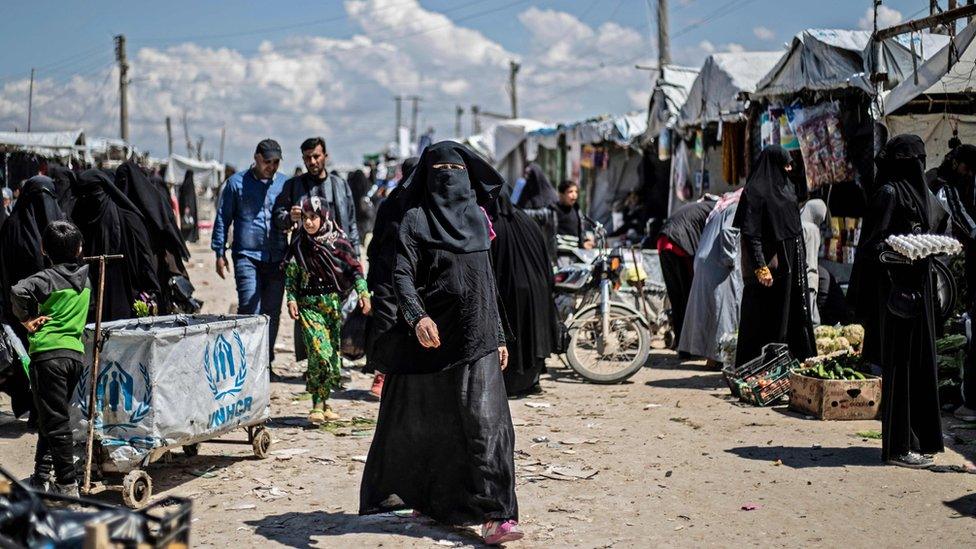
(822, 145)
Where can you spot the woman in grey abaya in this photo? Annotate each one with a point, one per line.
(716, 290)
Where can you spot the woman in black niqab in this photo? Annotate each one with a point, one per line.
(111, 224)
(444, 441)
(538, 192)
(894, 300)
(774, 305)
(523, 273)
(188, 209)
(64, 180)
(21, 257)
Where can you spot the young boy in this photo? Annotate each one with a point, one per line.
(53, 306)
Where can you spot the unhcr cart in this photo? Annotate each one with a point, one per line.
(170, 382)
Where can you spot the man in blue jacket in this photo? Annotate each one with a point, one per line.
(259, 245)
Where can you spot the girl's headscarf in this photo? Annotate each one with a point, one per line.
(327, 254)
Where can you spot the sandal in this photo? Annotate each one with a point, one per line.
(498, 532)
(329, 414)
(316, 417)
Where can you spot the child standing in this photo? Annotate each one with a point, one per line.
(324, 271)
(53, 306)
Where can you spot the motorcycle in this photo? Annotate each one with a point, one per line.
(607, 339)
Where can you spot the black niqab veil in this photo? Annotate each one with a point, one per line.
(769, 207)
(154, 205)
(901, 164)
(64, 180)
(450, 200)
(111, 224)
(538, 191)
(188, 208)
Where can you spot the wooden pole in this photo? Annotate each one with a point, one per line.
(926, 22)
(30, 101)
(93, 379)
(123, 87)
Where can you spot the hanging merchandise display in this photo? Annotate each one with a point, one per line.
(664, 145)
(699, 144)
(680, 180)
(822, 145)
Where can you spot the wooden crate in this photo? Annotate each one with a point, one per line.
(835, 399)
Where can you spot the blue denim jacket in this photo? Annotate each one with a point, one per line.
(246, 203)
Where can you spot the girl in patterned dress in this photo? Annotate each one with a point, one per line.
(324, 271)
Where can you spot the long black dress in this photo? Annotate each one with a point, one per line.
(524, 277)
(768, 218)
(683, 229)
(111, 224)
(444, 441)
(188, 209)
(894, 300)
(381, 254)
(21, 257)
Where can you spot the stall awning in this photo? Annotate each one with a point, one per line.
(207, 174)
(717, 91)
(670, 93)
(949, 71)
(57, 144)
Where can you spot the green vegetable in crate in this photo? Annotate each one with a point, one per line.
(950, 343)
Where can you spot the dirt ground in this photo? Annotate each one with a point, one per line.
(668, 459)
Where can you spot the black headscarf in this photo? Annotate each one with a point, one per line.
(64, 179)
(188, 208)
(154, 204)
(768, 206)
(901, 164)
(111, 224)
(538, 191)
(20, 238)
(449, 200)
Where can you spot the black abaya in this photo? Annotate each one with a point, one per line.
(188, 209)
(444, 446)
(111, 224)
(903, 344)
(768, 217)
(525, 286)
(683, 228)
(21, 257)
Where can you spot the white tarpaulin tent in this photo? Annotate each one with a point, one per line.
(935, 129)
(56, 144)
(716, 92)
(831, 59)
(500, 144)
(949, 71)
(670, 93)
(207, 174)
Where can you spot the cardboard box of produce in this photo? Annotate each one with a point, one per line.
(835, 399)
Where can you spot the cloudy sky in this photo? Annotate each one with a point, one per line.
(332, 67)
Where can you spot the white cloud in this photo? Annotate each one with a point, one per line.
(343, 89)
(706, 46)
(764, 33)
(886, 18)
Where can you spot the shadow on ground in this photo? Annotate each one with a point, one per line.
(11, 427)
(297, 530)
(803, 457)
(705, 381)
(965, 505)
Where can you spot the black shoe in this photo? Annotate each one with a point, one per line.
(276, 378)
(912, 460)
(39, 483)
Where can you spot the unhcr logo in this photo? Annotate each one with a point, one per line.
(226, 371)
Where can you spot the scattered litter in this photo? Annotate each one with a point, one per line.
(751, 507)
(360, 459)
(649, 406)
(870, 433)
(323, 459)
(686, 517)
(679, 528)
(687, 422)
(205, 473)
(446, 543)
(668, 474)
(241, 507)
(268, 493)
(568, 473)
(538, 404)
(540, 439)
(288, 453)
(575, 440)
(953, 469)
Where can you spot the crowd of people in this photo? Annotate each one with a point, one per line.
(458, 294)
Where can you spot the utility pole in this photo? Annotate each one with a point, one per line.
(223, 135)
(458, 113)
(475, 119)
(186, 135)
(200, 148)
(169, 135)
(513, 69)
(413, 117)
(399, 117)
(123, 86)
(30, 101)
(663, 36)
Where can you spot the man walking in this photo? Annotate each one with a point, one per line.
(259, 245)
(317, 181)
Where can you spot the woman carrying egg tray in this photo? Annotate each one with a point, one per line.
(894, 300)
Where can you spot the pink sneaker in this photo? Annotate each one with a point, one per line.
(497, 533)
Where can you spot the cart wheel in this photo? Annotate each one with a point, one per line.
(191, 450)
(261, 442)
(136, 489)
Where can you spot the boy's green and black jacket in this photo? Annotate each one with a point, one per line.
(61, 293)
